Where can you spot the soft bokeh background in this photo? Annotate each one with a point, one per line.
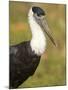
(52, 68)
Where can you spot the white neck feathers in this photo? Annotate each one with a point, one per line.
(38, 41)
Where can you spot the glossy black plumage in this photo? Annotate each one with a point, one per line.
(38, 11)
(23, 63)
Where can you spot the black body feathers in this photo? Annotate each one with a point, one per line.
(23, 63)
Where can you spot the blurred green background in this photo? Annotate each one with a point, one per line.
(52, 68)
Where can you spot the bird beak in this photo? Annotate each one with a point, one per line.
(45, 27)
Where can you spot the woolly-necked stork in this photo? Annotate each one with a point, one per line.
(25, 57)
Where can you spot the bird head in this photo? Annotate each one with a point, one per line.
(39, 16)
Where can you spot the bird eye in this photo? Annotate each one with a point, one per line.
(39, 15)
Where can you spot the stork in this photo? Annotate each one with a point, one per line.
(25, 57)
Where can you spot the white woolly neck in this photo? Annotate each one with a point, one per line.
(38, 41)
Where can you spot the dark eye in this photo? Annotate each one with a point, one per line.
(38, 15)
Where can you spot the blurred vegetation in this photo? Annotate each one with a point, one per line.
(52, 68)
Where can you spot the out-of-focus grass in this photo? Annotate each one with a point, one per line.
(51, 70)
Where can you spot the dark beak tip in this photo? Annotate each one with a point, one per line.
(56, 45)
